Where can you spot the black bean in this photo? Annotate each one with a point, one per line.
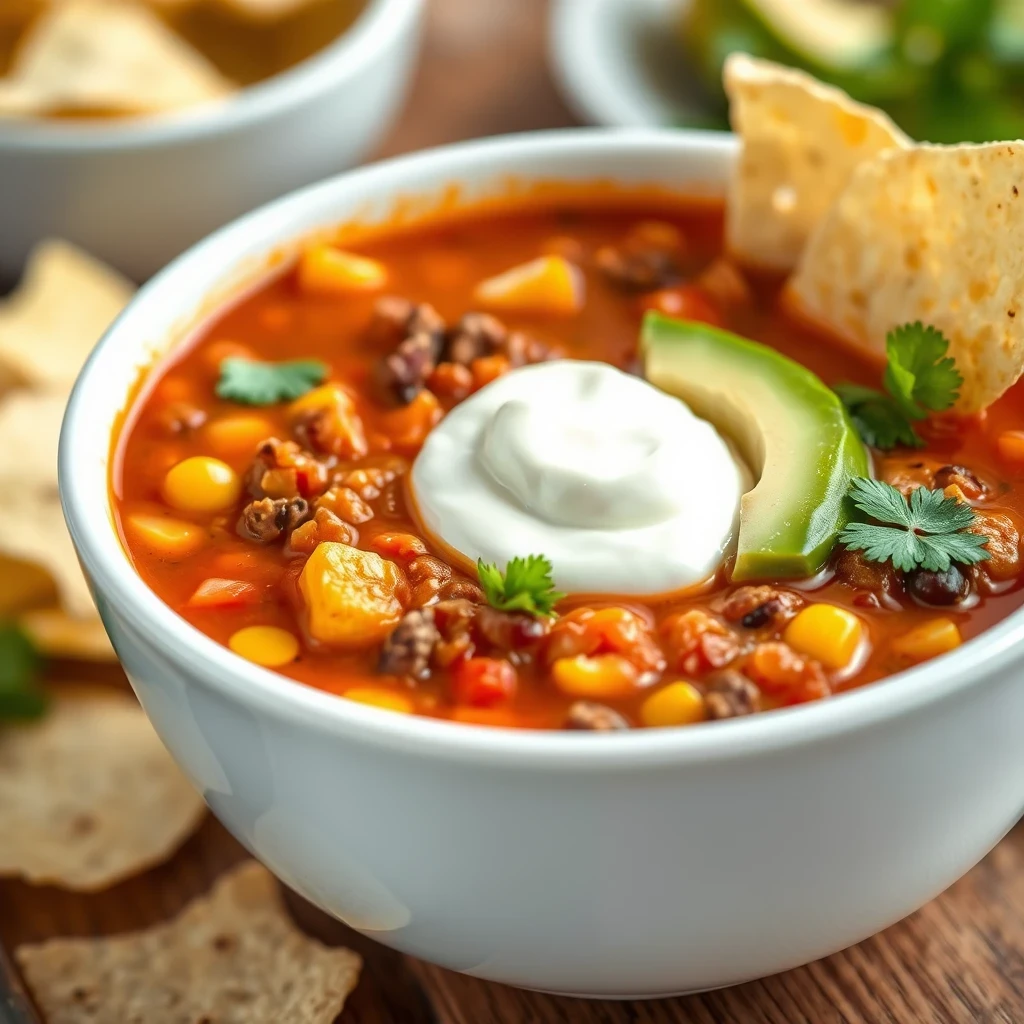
(938, 588)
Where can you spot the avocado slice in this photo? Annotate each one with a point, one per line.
(790, 428)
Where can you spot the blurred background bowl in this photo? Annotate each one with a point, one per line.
(136, 193)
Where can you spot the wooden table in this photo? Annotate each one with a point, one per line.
(960, 959)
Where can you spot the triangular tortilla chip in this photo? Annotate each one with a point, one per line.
(55, 634)
(34, 531)
(107, 56)
(233, 957)
(931, 234)
(800, 142)
(50, 324)
(29, 431)
(88, 795)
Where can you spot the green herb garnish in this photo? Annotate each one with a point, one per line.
(525, 586)
(920, 378)
(252, 382)
(926, 532)
(21, 697)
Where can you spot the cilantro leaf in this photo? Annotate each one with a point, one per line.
(252, 382)
(21, 697)
(920, 376)
(926, 532)
(525, 586)
(877, 417)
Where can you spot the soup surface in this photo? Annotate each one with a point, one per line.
(229, 510)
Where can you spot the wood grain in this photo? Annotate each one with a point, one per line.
(959, 960)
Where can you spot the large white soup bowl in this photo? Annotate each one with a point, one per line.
(637, 864)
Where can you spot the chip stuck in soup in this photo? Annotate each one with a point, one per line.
(575, 462)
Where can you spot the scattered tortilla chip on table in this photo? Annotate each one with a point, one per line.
(50, 323)
(233, 957)
(88, 794)
(29, 432)
(800, 142)
(57, 635)
(107, 56)
(934, 234)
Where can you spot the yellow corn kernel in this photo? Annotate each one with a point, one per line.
(265, 645)
(928, 640)
(548, 284)
(829, 634)
(378, 697)
(233, 437)
(169, 538)
(601, 677)
(327, 270)
(351, 596)
(676, 704)
(202, 484)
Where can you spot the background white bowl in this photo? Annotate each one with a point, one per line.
(647, 863)
(136, 193)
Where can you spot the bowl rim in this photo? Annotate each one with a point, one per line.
(215, 666)
(374, 30)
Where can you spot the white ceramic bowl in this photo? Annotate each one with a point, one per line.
(631, 864)
(137, 193)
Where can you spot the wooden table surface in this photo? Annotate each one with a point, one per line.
(960, 959)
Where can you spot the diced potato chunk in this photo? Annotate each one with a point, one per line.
(326, 270)
(168, 538)
(548, 284)
(353, 597)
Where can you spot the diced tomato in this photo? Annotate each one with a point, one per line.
(220, 593)
(483, 682)
(687, 302)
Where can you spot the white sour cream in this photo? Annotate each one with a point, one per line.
(616, 482)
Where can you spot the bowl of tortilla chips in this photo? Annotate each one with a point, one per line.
(134, 127)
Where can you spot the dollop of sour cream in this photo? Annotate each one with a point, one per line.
(616, 482)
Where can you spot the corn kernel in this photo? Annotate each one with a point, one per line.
(202, 484)
(928, 640)
(169, 538)
(265, 645)
(547, 284)
(601, 677)
(237, 436)
(378, 697)
(676, 704)
(829, 634)
(327, 270)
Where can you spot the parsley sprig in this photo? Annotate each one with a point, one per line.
(920, 378)
(926, 532)
(21, 696)
(252, 382)
(525, 586)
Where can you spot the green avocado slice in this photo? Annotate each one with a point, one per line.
(790, 428)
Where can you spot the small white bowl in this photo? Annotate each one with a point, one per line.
(138, 192)
(637, 864)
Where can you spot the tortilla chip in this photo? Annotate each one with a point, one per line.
(54, 633)
(89, 796)
(233, 957)
(23, 586)
(50, 324)
(107, 56)
(29, 431)
(931, 234)
(801, 141)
